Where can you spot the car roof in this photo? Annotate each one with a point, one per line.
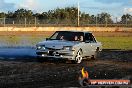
(74, 31)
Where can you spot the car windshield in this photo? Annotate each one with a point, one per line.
(68, 36)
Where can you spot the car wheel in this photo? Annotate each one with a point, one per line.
(94, 57)
(78, 58)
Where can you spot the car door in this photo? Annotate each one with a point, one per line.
(90, 44)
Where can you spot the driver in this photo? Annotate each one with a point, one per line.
(76, 38)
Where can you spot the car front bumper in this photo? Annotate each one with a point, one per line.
(64, 54)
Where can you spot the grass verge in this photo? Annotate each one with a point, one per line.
(116, 42)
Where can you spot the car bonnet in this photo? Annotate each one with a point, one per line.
(57, 44)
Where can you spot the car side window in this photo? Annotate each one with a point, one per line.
(89, 38)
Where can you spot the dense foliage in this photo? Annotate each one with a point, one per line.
(62, 16)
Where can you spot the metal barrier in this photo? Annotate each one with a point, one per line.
(34, 22)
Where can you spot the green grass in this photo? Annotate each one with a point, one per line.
(32, 40)
(116, 42)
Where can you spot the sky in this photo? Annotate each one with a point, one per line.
(115, 7)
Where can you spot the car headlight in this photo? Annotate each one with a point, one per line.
(40, 47)
(43, 48)
(68, 48)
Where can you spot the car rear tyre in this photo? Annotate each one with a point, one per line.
(94, 57)
(78, 58)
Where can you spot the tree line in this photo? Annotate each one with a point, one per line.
(62, 16)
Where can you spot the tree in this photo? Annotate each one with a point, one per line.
(126, 19)
(85, 18)
(21, 14)
(66, 15)
(104, 18)
(2, 15)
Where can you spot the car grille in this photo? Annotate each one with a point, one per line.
(51, 48)
(39, 53)
(50, 53)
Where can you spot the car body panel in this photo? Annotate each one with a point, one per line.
(57, 44)
(67, 48)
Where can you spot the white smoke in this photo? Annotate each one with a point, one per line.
(128, 10)
(29, 4)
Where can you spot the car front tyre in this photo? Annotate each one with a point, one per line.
(78, 58)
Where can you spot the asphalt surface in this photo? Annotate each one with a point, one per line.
(19, 68)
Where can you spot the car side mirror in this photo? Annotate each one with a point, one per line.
(47, 39)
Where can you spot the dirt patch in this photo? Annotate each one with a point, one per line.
(49, 74)
(54, 73)
(115, 54)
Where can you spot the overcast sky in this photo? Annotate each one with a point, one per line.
(114, 7)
